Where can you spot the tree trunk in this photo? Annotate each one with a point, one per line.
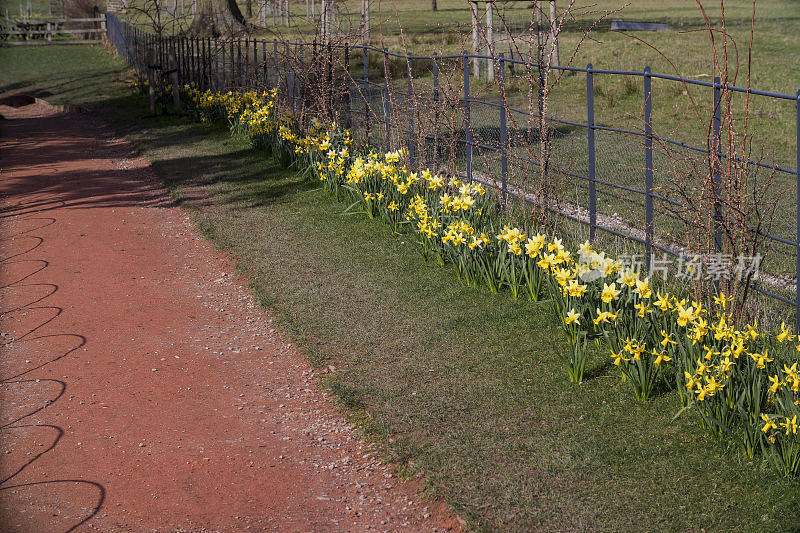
(365, 26)
(433, 5)
(217, 18)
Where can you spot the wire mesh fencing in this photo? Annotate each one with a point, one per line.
(610, 157)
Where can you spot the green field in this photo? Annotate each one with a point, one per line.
(457, 384)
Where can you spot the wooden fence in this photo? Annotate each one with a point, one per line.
(31, 31)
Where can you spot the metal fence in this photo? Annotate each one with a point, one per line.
(613, 169)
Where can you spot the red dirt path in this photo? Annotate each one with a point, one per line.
(141, 387)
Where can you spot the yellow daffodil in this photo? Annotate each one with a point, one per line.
(768, 423)
(546, 261)
(660, 357)
(761, 358)
(665, 339)
(662, 302)
(691, 381)
(710, 352)
(534, 245)
(722, 300)
(684, 315)
(776, 384)
(575, 289)
(610, 293)
(784, 334)
(642, 309)
(572, 317)
(602, 316)
(751, 331)
(643, 289)
(790, 425)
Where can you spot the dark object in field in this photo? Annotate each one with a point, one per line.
(624, 25)
(18, 100)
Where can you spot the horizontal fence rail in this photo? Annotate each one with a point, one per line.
(51, 30)
(426, 105)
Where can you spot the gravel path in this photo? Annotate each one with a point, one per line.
(142, 387)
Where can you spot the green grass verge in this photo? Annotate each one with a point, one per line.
(459, 384)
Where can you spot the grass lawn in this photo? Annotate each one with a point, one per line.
(461, 385)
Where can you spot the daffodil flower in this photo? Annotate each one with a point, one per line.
(572, 317)
(662, 302)
(776, 384)
(665, 339)
(660, 357)
(761, 358)
(643, 289)
(684, 315)
(610, 293)
(769, 423)
(790, 425)
(784, 334)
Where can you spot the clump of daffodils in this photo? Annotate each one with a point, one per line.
(742, 383)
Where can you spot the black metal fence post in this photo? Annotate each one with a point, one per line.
(212, 72)
(288, 73)
(501, 74)
(205, 66)
(198, 75)
(367, 105)
(264, 60)
(205, 52)
(224, 69)
(330, 80)
(245, 74)
(348, 115)
(467, 126)
(648, 168)
(181, 73)
(255, 63)
(185, 50)
(797, 219)
(717, 154)
(436, 111)
(590, 146)
(275, 63)
(314, 64)
(191, 60)
(204, 55)
(303, 78)
(240, 75)
(387, 105)
(191, 47)
(411, 142)
(232, 77)
(217, 69)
